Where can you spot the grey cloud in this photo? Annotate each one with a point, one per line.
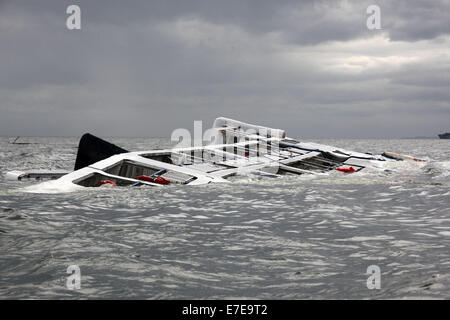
(434, 74)
(305, 22)
(124, 70)
(416, 20)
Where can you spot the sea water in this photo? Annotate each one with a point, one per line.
(293, 237)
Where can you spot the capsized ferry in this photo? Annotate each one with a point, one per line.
(236, 148)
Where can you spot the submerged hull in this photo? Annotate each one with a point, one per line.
(237, 148)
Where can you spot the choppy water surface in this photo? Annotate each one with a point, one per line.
(286, 238)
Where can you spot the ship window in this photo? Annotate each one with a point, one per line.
(94, 179)
(162, 157)
(131, 169)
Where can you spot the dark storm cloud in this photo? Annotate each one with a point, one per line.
(417, 19)
(311, 67)
(307, 21)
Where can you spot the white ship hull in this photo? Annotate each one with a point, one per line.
(237, 148)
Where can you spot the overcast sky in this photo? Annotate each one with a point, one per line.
(144, 68)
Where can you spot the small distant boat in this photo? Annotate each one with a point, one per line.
(15, 141)
(444, 135)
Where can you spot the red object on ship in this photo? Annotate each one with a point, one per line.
(346, 170)
(107, 182)
(158, 180)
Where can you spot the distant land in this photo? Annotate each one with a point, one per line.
(420, 137)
